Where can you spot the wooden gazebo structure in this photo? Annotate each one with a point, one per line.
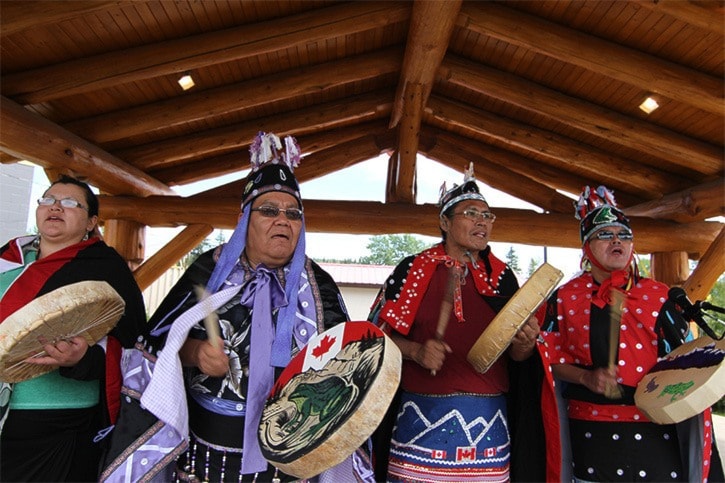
(542, 96)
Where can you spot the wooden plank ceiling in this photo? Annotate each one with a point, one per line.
(542, 96)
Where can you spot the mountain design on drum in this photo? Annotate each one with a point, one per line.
(459, 432)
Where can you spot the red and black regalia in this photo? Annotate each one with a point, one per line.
(451, 426)
(55, 422)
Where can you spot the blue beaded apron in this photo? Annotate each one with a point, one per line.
(443, 438)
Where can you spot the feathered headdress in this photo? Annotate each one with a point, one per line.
(597, 209)
(272, 167)
(467, 191)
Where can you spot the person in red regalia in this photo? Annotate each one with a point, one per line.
(56, 423)
(451, 421)
(595, 432)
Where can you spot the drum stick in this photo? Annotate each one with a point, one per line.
(211, 322)
(446, 306)
(615, 319)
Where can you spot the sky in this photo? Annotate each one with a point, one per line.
(366, 182)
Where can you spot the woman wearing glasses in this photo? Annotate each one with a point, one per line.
(451, 420)
(53, 419)
(604, 330)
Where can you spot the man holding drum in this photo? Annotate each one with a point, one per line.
(604, 330)
(451, 421)
(266, 299)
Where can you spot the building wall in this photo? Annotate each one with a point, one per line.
(15, 185)
(358, 300)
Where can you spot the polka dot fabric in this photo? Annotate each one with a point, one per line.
(636, 452)
(637, 336)
(400, 310)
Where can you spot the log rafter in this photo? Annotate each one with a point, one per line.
(169, 152)
(607, 58)
(167, 113)
(171, 57)
(51, 146)
(563, 153)
(512, 225)
(603, 123)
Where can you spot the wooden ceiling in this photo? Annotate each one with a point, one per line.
(541, 95)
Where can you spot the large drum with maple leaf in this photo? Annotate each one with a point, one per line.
(329, 399)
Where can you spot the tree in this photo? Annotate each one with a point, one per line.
(189, 258)
(390, 249)
(717, 294)
(643, 264)
(513, 260)
(533, 265)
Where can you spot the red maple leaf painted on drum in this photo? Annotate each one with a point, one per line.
(324, 346)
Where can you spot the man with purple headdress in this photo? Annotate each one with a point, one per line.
(269, 299)
(603, 331)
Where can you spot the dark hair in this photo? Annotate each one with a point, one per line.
(91, 199)
(447, 214)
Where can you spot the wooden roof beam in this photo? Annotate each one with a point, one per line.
(561, 152)
(704, 15)
(19, 15)
(317, 164)
(688, 153)
(169, 254)
(457, 151)
(401, 181)
(188, 53)
(431, 27)
(280, 86)
(175, 151)
(28, 136)
(693, 204)
(592, 53)
(206, 168)
(708, 270)
(547, 175)
(365, 217)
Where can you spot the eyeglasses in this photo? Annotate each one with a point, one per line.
(625, 235)
(292, 214)
(65, 202)
(476, 215)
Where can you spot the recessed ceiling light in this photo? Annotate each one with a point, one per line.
(649, 105)
(186, 82)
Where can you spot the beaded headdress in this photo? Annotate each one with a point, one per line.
(467, 191)
(272, 167)
(597, 209)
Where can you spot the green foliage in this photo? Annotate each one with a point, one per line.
(717, 294)
(717, 297)
(205, 245)
(349, 261)
(644, 267)
(390, 249)
(533, 265)
(513, 260)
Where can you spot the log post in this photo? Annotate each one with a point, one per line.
(710, 267)
(171, 253)
(671, 268)
(128, 238)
